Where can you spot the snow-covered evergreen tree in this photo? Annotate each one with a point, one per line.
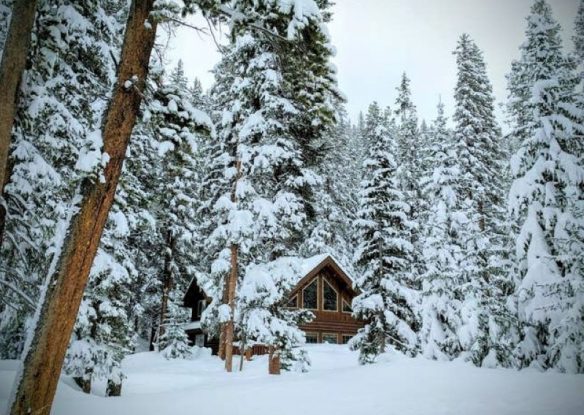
(174, 342)
(336, 204)
(477, 140)
(388, 301)
(261, 210)
(56, 144)
(262, 179)
(578, 37)
(546, 199)
(442, 251)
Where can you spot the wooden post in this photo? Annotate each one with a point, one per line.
(11, 68)
(274, 364)
(39, 375)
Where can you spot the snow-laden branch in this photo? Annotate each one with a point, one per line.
(28, 301)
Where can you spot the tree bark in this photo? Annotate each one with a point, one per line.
(39, 375)
(11, 69)
(232, 284)
(230, 325)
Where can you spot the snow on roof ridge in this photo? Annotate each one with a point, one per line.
(308, 264)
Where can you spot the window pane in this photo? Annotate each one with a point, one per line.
(347, 307)
(329, 297)
(309, 296)
(201, 305)
(293, 303)
(329, 338)
(311, 338)
(346, 338)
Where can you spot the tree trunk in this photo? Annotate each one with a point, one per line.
(39, 375)
(232, 284)
(166, 282)
(113, 388)
(11, 69)
(152, 335)
(230, 326)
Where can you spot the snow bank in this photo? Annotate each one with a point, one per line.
(336, 384)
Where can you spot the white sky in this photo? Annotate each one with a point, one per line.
(377, 40)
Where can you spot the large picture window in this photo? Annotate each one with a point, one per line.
(311, 338)
(346, 338)
(329, 297)
(330, 338)
(310, 296)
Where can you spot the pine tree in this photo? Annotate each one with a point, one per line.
(51, 160)
(174, 342)
(546, 199)
(384, 254)
(337, 203)
(578, 37)
(442, 250)
(478, 149)
(263, 193)
(260, 212)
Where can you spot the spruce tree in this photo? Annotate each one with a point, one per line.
(442, 250)
(546, 199)
(477, 140)
(384, 254)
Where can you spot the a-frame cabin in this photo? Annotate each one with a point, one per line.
(324, 288)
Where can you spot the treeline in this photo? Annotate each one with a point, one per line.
(471, 243)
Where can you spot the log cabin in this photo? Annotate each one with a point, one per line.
(324, 288)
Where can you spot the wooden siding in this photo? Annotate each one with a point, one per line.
(329, 322)
(337, 322)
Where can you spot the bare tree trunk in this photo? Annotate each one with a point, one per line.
(232, 284)
(230, 325)
(166, 282)
(11, 69)
(39, 375)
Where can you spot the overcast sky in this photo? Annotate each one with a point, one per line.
(377, 40)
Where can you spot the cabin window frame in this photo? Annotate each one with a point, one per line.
(312, 334)
(325, 281)
(350, 336)
(330, 334)
(295, 297)
(314, 280)
(343, 302)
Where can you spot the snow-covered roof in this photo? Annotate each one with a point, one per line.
(311, 263)
(193, 325)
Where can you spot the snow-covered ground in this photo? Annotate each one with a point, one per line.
(335, 385)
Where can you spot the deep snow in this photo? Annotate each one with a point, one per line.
(336, 384)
